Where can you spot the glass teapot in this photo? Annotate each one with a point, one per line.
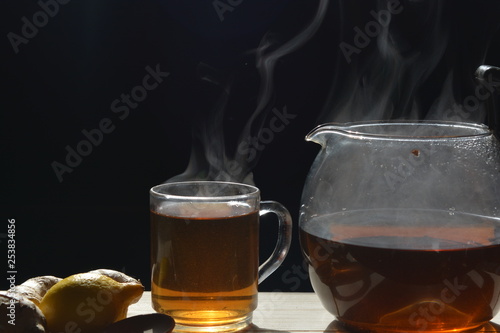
(400, 224)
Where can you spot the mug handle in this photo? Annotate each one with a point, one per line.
(284, 237)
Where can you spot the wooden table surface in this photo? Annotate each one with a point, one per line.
(286, 312)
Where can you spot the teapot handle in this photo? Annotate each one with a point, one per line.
(489, 77)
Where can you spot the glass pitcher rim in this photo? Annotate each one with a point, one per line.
(352, 130)
(251, 191)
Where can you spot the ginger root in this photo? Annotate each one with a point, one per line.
(116, 275)
(20, 306)
(20, 315)
(35, 288)
(119, 277)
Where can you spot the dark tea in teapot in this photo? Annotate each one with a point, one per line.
(376, 273)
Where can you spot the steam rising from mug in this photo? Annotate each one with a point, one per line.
(210, 159)
(396, 60)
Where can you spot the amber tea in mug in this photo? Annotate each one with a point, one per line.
(205, 253)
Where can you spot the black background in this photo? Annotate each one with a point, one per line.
(64, 79)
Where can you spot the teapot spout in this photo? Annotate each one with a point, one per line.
(322, 133)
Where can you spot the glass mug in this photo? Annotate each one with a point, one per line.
(205, 252)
